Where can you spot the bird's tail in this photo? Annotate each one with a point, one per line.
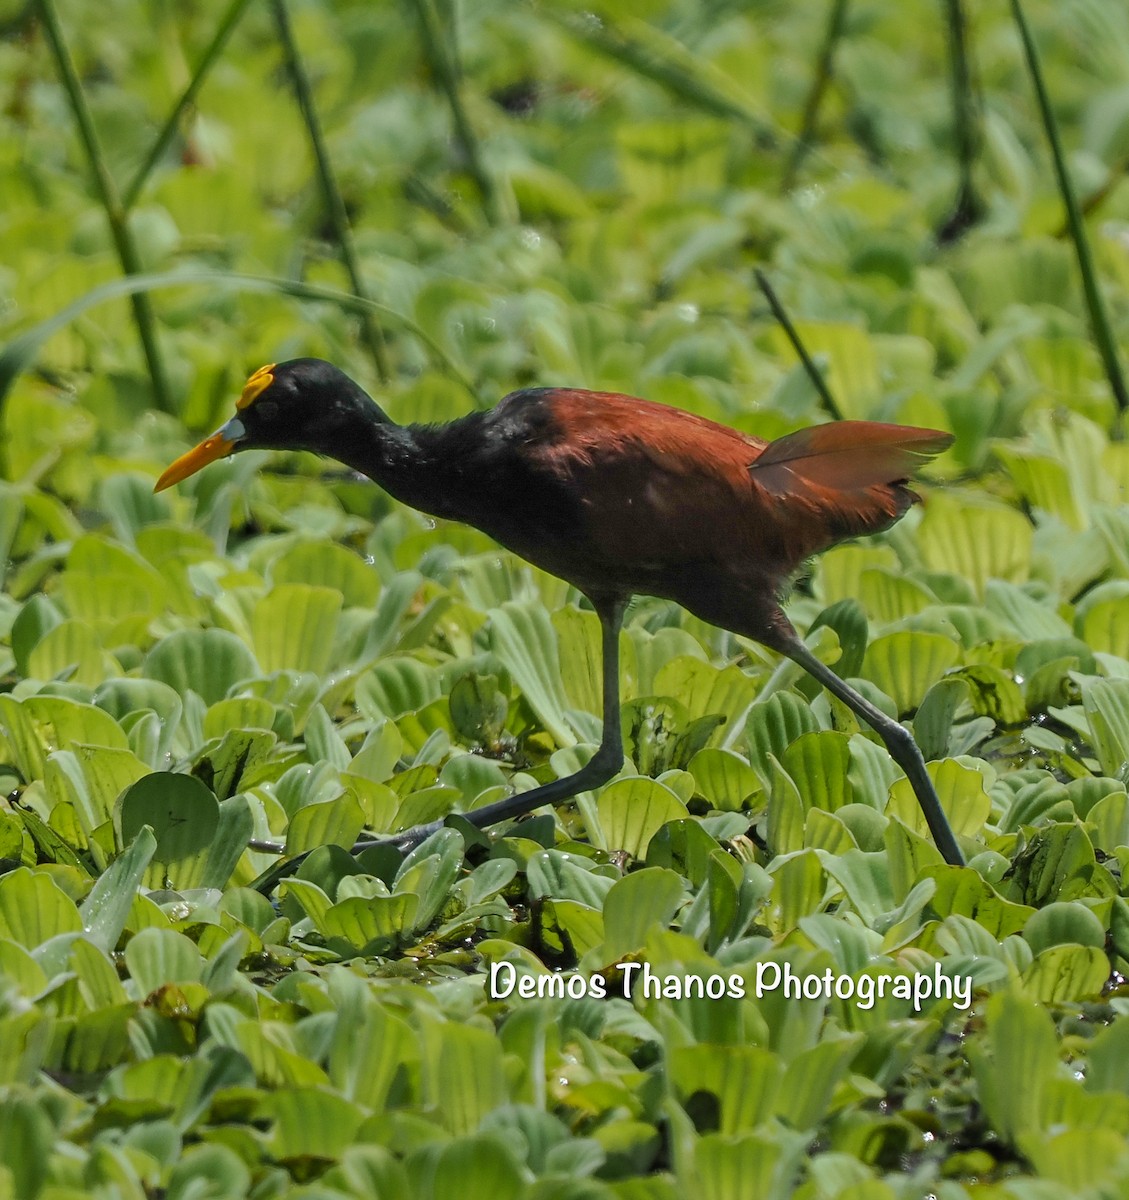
(852, 474)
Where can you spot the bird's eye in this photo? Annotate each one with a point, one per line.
(266, 409)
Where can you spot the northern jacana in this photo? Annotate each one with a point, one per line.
(617, 496)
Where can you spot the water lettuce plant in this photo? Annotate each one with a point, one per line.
(195, 686)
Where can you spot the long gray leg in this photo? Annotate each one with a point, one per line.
(601, 767)
(899, 742)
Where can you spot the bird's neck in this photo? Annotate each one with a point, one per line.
(410, 462)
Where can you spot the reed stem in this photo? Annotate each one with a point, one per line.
(1095, 304)
(331, 194)
(116, 216)
(445, 67)
(968, 206)
(168, 131)
(836, 23)
(814, 373)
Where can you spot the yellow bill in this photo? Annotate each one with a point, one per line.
(219, 445)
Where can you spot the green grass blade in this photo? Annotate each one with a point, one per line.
(168, 131)
(128, 255)
(1095, 305)
(968, 206)
(645, 50)
(829, 402)
(331, 193)
(836, 23)
(443, 64)
(19, 353)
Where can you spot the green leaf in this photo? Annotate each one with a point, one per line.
(238, 712)
(182, 812)
(797, 891)
(1058, 864)
(106, 909)
(774, 725)
(960, 790)
(635, 905)
(27, 1138)
(933, 722)
(631, 811)
(33, 909)
(293, 628)
(785, 813)
(1044, 483)
(722, 891)
(103, 774)
(214, 1166)
(1060, 924)
(746, 1164)
(1026, 616)
(818, 763)
(235, 830)
(36, 618)
(993, 693)
(1110, 819)
(395, 686)
(905, 665)
(581, 929)
(309, 1122)
(578, 646)
(97, 975)
(725, 779)
(463, 1074)
(1067, 974)
(207, 661)
(1015, 1064)
(968, 894)
(371, 1045)
(1106, 702)
(479, 708)
(379, 753)
(331, 566)
(71, 651)
(810, 1080)
(1078, 1161)
(157, 957)
(323, 742)
(744, 1079)
(851, 362)
(553, 873)
(975, 539)
(705, 690)
(523, 638)
(848, 619)
(335, 822)
(1107, 1068)
(479, 1167)
(889, 596)
(430, 870)
(866, 880)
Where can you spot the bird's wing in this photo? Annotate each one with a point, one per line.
(655, 485)
(846, 456)
(659, 487)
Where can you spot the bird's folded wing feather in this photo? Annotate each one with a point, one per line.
(846, 455)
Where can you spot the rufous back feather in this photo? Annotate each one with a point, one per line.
(846, 456)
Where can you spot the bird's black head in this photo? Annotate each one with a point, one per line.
(303, 404)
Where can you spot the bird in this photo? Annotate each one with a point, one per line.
(619, 496)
